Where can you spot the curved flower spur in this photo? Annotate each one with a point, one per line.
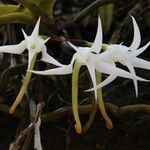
(127, 56)
(34, 44)
(83, 56)
(86, 56)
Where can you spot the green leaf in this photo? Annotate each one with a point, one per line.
(8, 9)
(17, 18)
(15, 14)
(106, 14)
(43, 8)
(47, 6)
(21, 14)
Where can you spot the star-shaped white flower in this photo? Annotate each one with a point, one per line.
(87, 56)
(34, 44)
(126, 56)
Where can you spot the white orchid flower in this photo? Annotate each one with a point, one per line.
(83, 56)
(88, 56)
(126, 56)
(34, 44)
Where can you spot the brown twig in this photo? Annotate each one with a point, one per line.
(17, 143)
(116, 111)
(27, 141)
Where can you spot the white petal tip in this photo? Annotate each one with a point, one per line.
(131, 16)
(70, 44)
(144, 80)
(91, 89)
(39, 19)
(46, 40)
(36, 28)
(96, 47)
(36, 72)
(136, 95)
(86, 91)
(24, 34)
(32, 71)
(73, 46)
(137, 36)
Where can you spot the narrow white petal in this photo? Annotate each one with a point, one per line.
(141, 50)
(30, 57)
(47, 58)
(46, 40)
(104, 67)
(110, 69)
(24, 34)
(141, 63)
(73, 46)
(14, 49)
(137, 36)
(73, 58)
(37, 137)
(56, 71)
(35, 32)
(121, 43)
(132, 71)
(125, 74)
(96, 47)
(91, 69)
(104, 83)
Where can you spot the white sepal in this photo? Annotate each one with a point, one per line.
(37, 137)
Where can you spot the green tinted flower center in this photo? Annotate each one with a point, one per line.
(33, 46)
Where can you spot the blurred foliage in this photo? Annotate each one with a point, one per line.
(15, 14)
(106, 14)
(27, 12)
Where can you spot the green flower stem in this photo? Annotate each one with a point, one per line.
(75, 76)
(24, 87)
(101, 105)
(93, 6)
